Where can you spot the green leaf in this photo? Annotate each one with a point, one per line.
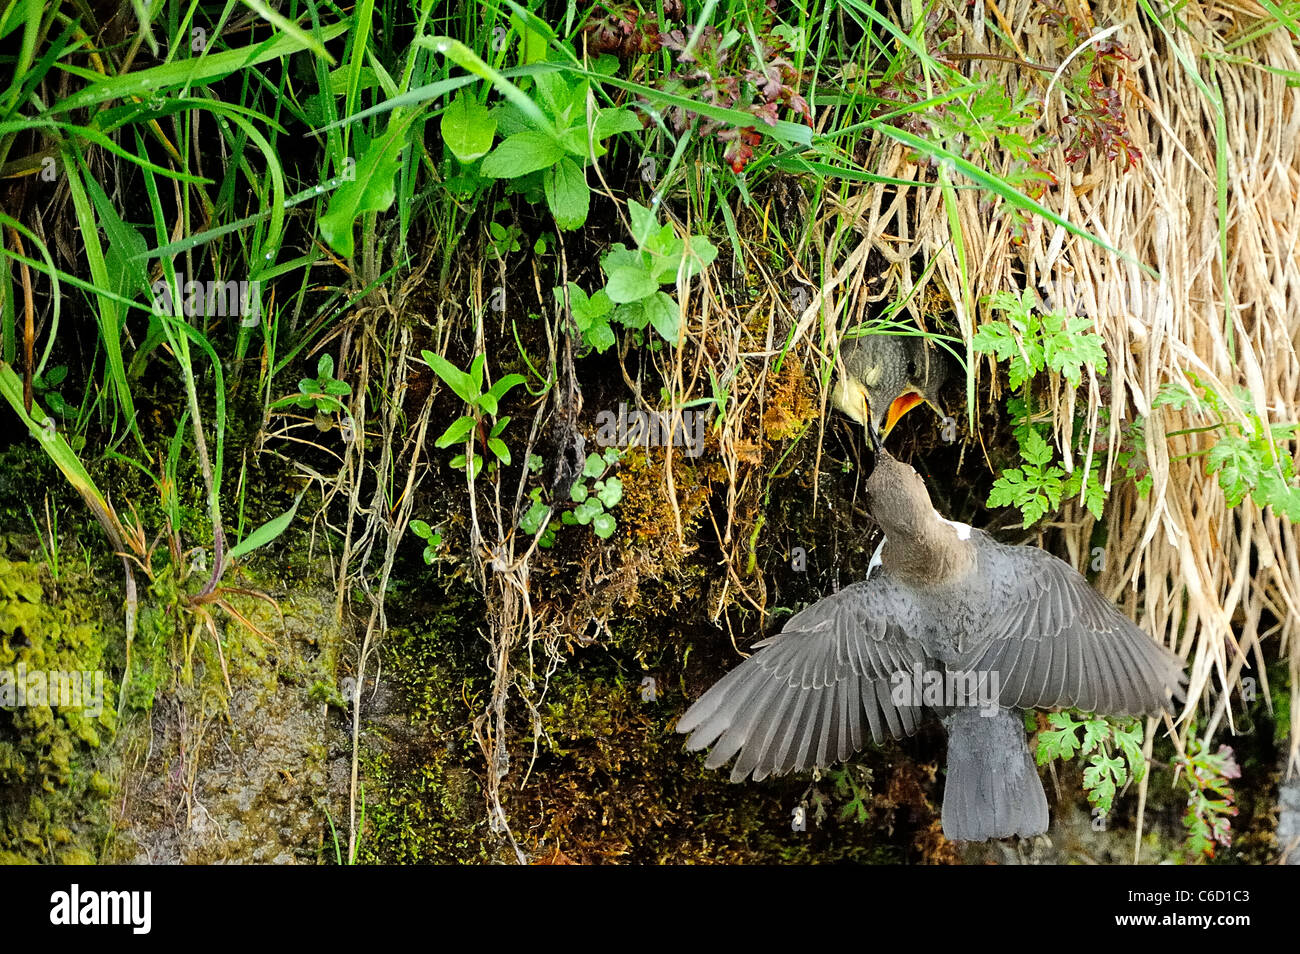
(455, 432)
(521, 154)
(567, 194)
(532, 520)
(1273, 491)
(1008, 489)
(593, 466)
(371, 190)
(1173, 394)
(602, 525)
(587, 510)
(555, 93)
(1035, 449)
(1096, 731)
(499, 449)
(643, 222)
(996, 338)
(600, 336)
(702, 255)
(664, 315)
(663, 242)
(611, 122)
(1058, 741)
(629, 284)
(54, 377)
(267, 532)
(587, 309)
(503, 386)
(452, 376)
(420, 529)
(1237, 465)
(622, 256)
(632, 315)
(578, 492)
(610, 492)
(468, 128)
(1128, 736)
(1102, 777)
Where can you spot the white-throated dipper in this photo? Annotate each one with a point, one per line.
(953, 622)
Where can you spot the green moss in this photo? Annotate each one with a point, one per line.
(424, 803)
(51, 726)
(613, 783)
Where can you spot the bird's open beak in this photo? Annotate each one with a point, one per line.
(902, 404)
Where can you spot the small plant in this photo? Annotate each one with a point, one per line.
(502, 240)
(533, 517)
(1210, 801)
(432, 539)
(594, 501)
(853, 787)
(1132, 457)
(45, 385)
(591, 313)
(1096, 119)
(1113, 748)
(481, 420)
(631, 296)
(1249, 458)
(546, 147)
(323, 392)
(1038, 485)
(633, 276)
(1034, 343)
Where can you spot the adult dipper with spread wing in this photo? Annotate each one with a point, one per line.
(949, 606)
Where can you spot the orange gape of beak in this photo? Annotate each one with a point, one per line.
(902, 404)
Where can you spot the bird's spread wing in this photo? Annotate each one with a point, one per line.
(1054, 641)
(810, 693)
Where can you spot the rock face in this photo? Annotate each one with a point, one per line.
(183, 770)
(1288, 820)
(246, 778)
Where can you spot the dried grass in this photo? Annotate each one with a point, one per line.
(1180, 559)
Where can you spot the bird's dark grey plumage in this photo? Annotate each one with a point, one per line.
(952, 600)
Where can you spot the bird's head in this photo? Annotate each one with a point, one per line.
(898, 498)
(885, 376)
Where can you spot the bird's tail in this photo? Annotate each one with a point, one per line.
(992, 789)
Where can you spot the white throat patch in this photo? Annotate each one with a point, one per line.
(963, 529)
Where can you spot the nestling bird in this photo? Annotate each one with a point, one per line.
(991, 629)
(887, 376)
